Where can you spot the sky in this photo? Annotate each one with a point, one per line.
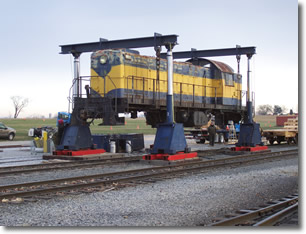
(31, 32)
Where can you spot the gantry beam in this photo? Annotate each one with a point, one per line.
(212, 53)
(156, 40)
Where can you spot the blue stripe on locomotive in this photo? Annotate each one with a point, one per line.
(124, 93)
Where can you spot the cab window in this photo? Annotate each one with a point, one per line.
(229, 79)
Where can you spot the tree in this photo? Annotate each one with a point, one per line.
(277, 110)
(284, 109)
(19, 104)
(264, 110)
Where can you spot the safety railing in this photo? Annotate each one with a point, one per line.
(139, 89)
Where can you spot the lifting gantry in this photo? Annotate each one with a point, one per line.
(170, 142)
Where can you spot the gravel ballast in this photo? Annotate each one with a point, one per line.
(187, 201)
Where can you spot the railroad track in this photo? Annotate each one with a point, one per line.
(13, 146)
(13, 170)
(270, 215)
(130, 176)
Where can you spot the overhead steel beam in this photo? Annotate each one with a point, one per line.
(157, 40)
(212, 53)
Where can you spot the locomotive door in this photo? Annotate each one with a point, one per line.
(130, 72)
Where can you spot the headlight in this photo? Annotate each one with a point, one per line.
(128, 57)
(103, 59)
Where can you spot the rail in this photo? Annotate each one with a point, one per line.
(265, 216)
(72, 183)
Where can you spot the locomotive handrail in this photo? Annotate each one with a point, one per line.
(139, 84)
(140, 78)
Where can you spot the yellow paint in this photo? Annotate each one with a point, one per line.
(45, 138)
(125, 77)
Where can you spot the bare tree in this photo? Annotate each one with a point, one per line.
(19, 104)
(264, 109)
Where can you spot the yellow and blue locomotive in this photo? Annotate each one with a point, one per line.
(124, 81)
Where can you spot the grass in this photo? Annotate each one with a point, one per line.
(22, 127)
(266, 121)
(131, 126)
(138, 125)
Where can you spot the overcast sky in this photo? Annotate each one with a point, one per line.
(31, 32)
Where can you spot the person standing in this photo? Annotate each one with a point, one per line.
(212, 133)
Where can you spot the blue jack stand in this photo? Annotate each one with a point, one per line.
(169, 139)
(76, 137)
(249, 132)
(249, 135)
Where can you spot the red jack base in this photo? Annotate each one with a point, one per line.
(79, 152)
(249, 148)
(170, 157)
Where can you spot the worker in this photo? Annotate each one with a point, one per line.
(58, 135)
(212, 133)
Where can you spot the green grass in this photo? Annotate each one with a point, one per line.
(132, 126)
(22, 127)
(266, 121)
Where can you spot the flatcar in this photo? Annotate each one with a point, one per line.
(123, 81)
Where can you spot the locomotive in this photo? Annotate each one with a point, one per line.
(123, 81)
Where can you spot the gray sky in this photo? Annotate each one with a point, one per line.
(31, 32)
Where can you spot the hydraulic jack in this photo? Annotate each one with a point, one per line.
(250, 136)
(170, 142)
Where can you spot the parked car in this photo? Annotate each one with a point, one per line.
(7, 132)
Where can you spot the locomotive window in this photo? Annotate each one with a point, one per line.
(229, 79)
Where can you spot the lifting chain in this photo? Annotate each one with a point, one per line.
(238, 62)
(238, 57)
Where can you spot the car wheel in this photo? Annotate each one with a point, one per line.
(11, 136)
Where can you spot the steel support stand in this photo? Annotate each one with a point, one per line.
(250, 136)
(170, 142)
(77, 135)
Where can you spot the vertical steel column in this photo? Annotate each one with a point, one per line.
(170, 106)
(248, 81)
(249, 101)
(76, 81)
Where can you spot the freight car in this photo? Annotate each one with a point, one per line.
(289, 133)
(123, 81)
